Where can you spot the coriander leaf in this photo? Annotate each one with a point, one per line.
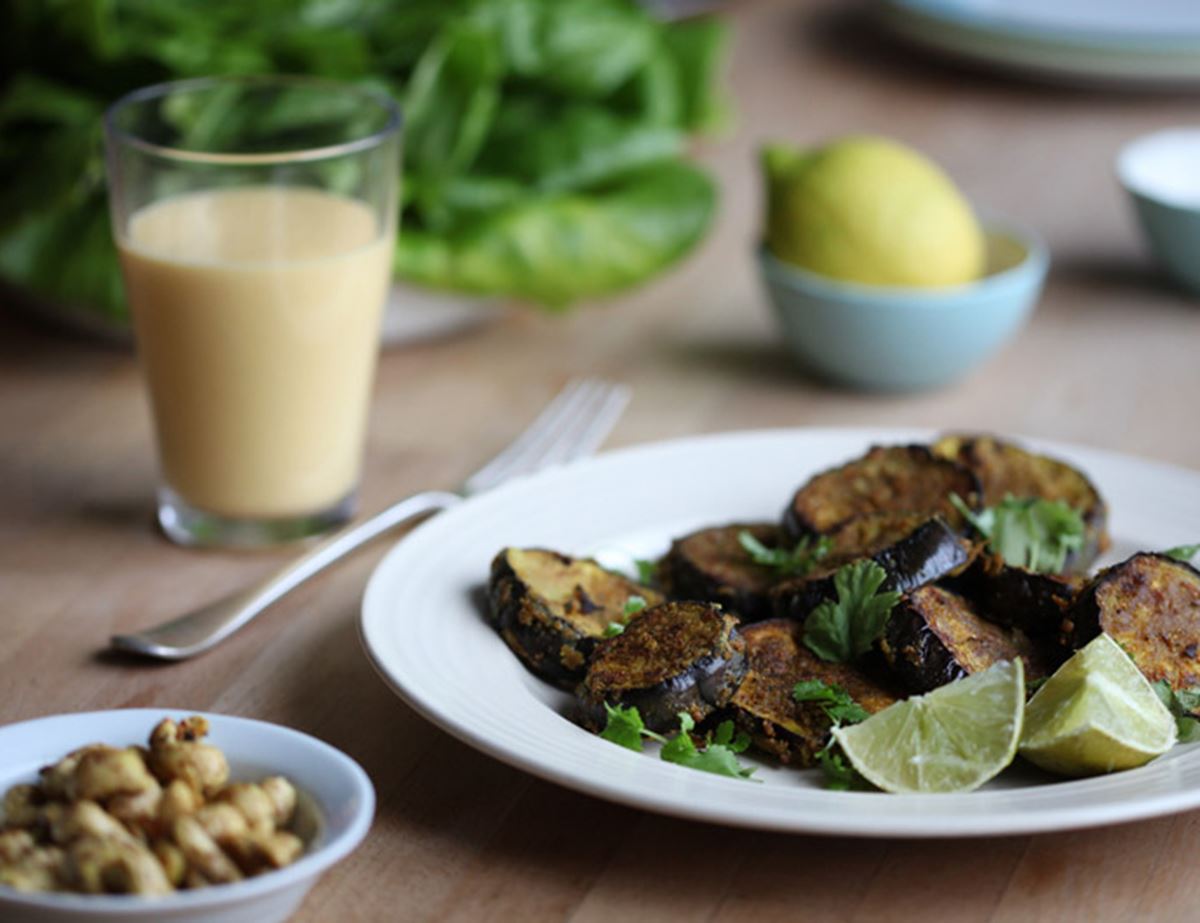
(844, 629)
(795, 562)
(1183, 553)
(647, 571)
(633, 605)
(624, 726)
(839, 707)
(1182, 704)
(716, 757)
(1032, 533)
(725, 737)
(839, 774)
(612, 629)
(1188, 699)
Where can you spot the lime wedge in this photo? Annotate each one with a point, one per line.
(950, 740)
(1096, 714)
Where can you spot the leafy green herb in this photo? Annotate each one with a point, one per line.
(835, 701)
(839, 774)
(840, 709)
(844, 629)
(647, 571)
(624, 726)
(1183, 704)
(796, 561)
(1183, 553)
(1032, 533)
(633, 605)
(719, 754)
(544, 139)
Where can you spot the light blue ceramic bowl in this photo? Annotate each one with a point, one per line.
(904, 339)
(1161, 172)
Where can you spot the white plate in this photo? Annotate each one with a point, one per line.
(1109, 41)
(425, 633)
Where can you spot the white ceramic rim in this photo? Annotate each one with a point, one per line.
(595, 767)
(308, 867)
(1130, 169)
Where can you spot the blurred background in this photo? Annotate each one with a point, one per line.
(593, 166)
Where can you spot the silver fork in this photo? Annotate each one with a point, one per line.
(571, 426)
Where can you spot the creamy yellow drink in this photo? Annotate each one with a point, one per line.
(257, 313)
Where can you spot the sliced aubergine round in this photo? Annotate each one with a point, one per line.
(763, 706)
(888, 479)
(914, 550)
(1006, 469)
(1017, 597)
(711, 565)
(934, 637)
(1150, 605)
(675, 657)
(551, 609)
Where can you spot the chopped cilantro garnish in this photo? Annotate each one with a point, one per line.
(844, 629)
(1033, 685)
(647, 571)
(839, 774)
(795, 562)
(719, 754)
(1183, 553)
(624, 726)
(1183, 704)
(1032, 533)
(835, 701)
(612, 629)
(633, 605)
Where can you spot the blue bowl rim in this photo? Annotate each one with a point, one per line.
(1035, 263)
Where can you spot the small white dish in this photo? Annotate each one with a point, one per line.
(1160, 173)
(426, 634)
(333, 787)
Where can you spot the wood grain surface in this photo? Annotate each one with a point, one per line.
(1111, 359)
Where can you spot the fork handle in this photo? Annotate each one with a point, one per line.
(197, 631)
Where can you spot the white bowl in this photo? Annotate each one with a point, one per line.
(337, 792)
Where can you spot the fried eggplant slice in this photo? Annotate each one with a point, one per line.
(712, 566)
(793, 732)
(934, 637)
(888, 479)
(1004, 468)
(1150, 605)
(914, 550)
(551, 609)
(1017, 597)
(678, 656)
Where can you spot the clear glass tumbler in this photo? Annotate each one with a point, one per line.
(256, 220)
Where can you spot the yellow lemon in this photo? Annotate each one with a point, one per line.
(867, 209)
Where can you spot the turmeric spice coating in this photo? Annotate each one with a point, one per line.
(676, 657)
(764, 707)
(551, 609)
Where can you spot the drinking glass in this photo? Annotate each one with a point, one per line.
(255, 219)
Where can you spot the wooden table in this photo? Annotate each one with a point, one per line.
(1110, 359)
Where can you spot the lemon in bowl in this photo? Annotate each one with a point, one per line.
(880, 273)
